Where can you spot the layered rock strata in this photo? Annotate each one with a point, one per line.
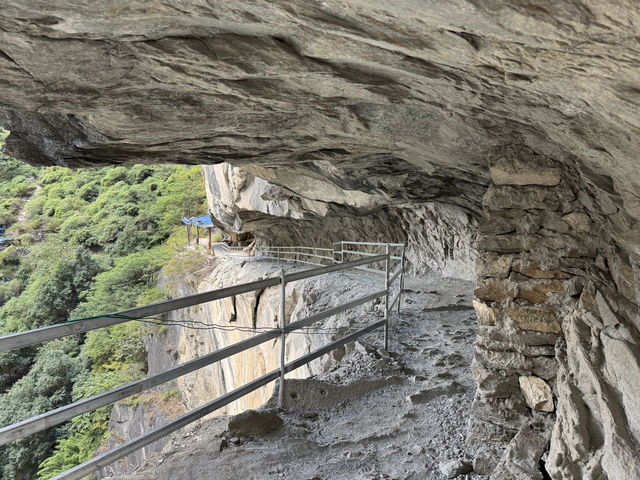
(557, 306)
(209, 327)
(440, 237)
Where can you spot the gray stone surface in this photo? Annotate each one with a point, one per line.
(252, 423)
(381, 103)
(386, 121)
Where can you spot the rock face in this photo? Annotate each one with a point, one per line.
(425, 122)
(559, 323)
(440, 237)
(240, 317)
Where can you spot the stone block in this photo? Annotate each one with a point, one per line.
(525, 197)
(578, 222)
(253, 423)
(516, 172)
(537, 319)
(493, 266)
(537, 393)
(521, 458)
(609, 318)
(494, 384)
(533, 270)
(516, 362)
(455, 467)
(494, 222)
(497, 290)
(486, 458)
(539, 292)
(486, 315)
(509, 243)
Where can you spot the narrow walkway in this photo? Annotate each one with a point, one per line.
(374, 416)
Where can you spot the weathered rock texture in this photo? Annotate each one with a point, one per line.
(375, 119)
(558, 337)
(399, 100)
(240, 317)
(135, 416)
(440, 237)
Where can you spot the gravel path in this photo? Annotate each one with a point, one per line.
(373, 416)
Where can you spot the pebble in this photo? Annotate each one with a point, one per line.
(455, 467)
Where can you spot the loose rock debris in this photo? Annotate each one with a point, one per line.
(398, 415)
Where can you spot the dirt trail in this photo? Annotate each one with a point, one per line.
(373, 416)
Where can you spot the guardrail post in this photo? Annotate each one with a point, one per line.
(386, 299)
(283, 337)
(401, 283)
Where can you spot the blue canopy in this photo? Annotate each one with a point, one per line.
(204, 222)
(4, 240)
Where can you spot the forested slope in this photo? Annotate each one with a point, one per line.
(92, 241)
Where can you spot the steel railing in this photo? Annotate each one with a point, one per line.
(55, 417)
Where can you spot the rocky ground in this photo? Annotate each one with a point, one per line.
(375, 415)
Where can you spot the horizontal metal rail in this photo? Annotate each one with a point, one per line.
(304, 262)
(284, 252)
(292, 277)
(281, 252)
(45, 334)
(126, 448)
(372, 270)
(297, 247)
(55, 417)
(41, 335)
(372, 244)
(355, 252)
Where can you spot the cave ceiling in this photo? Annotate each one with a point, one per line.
(402, 100)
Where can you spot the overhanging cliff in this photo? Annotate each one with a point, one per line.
(402, 120)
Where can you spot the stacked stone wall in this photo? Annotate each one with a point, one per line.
(556, 301)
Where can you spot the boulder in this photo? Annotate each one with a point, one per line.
(455, 467)
(252, 423)
(537, 393)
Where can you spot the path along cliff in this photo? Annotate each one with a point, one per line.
(373, 414)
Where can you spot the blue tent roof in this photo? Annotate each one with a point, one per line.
(7, 239)
(198, 221)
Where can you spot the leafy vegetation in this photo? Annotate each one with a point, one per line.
(93, 241)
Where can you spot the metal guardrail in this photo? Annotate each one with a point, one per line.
(55, 417)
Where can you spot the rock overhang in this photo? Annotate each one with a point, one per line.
(402, 101)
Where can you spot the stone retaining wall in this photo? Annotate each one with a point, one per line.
(556, 301)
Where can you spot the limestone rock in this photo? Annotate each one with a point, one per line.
(537, 393)
(536, 319)
(493, 266)
(507, 196)
(521, 459)
(579, 222)
(506, 172)
(455, 467)
(609, 318)
(253, 423)
(497, 290)
(486, 459)
(533, 270)
(538, 292)
(486, 315)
